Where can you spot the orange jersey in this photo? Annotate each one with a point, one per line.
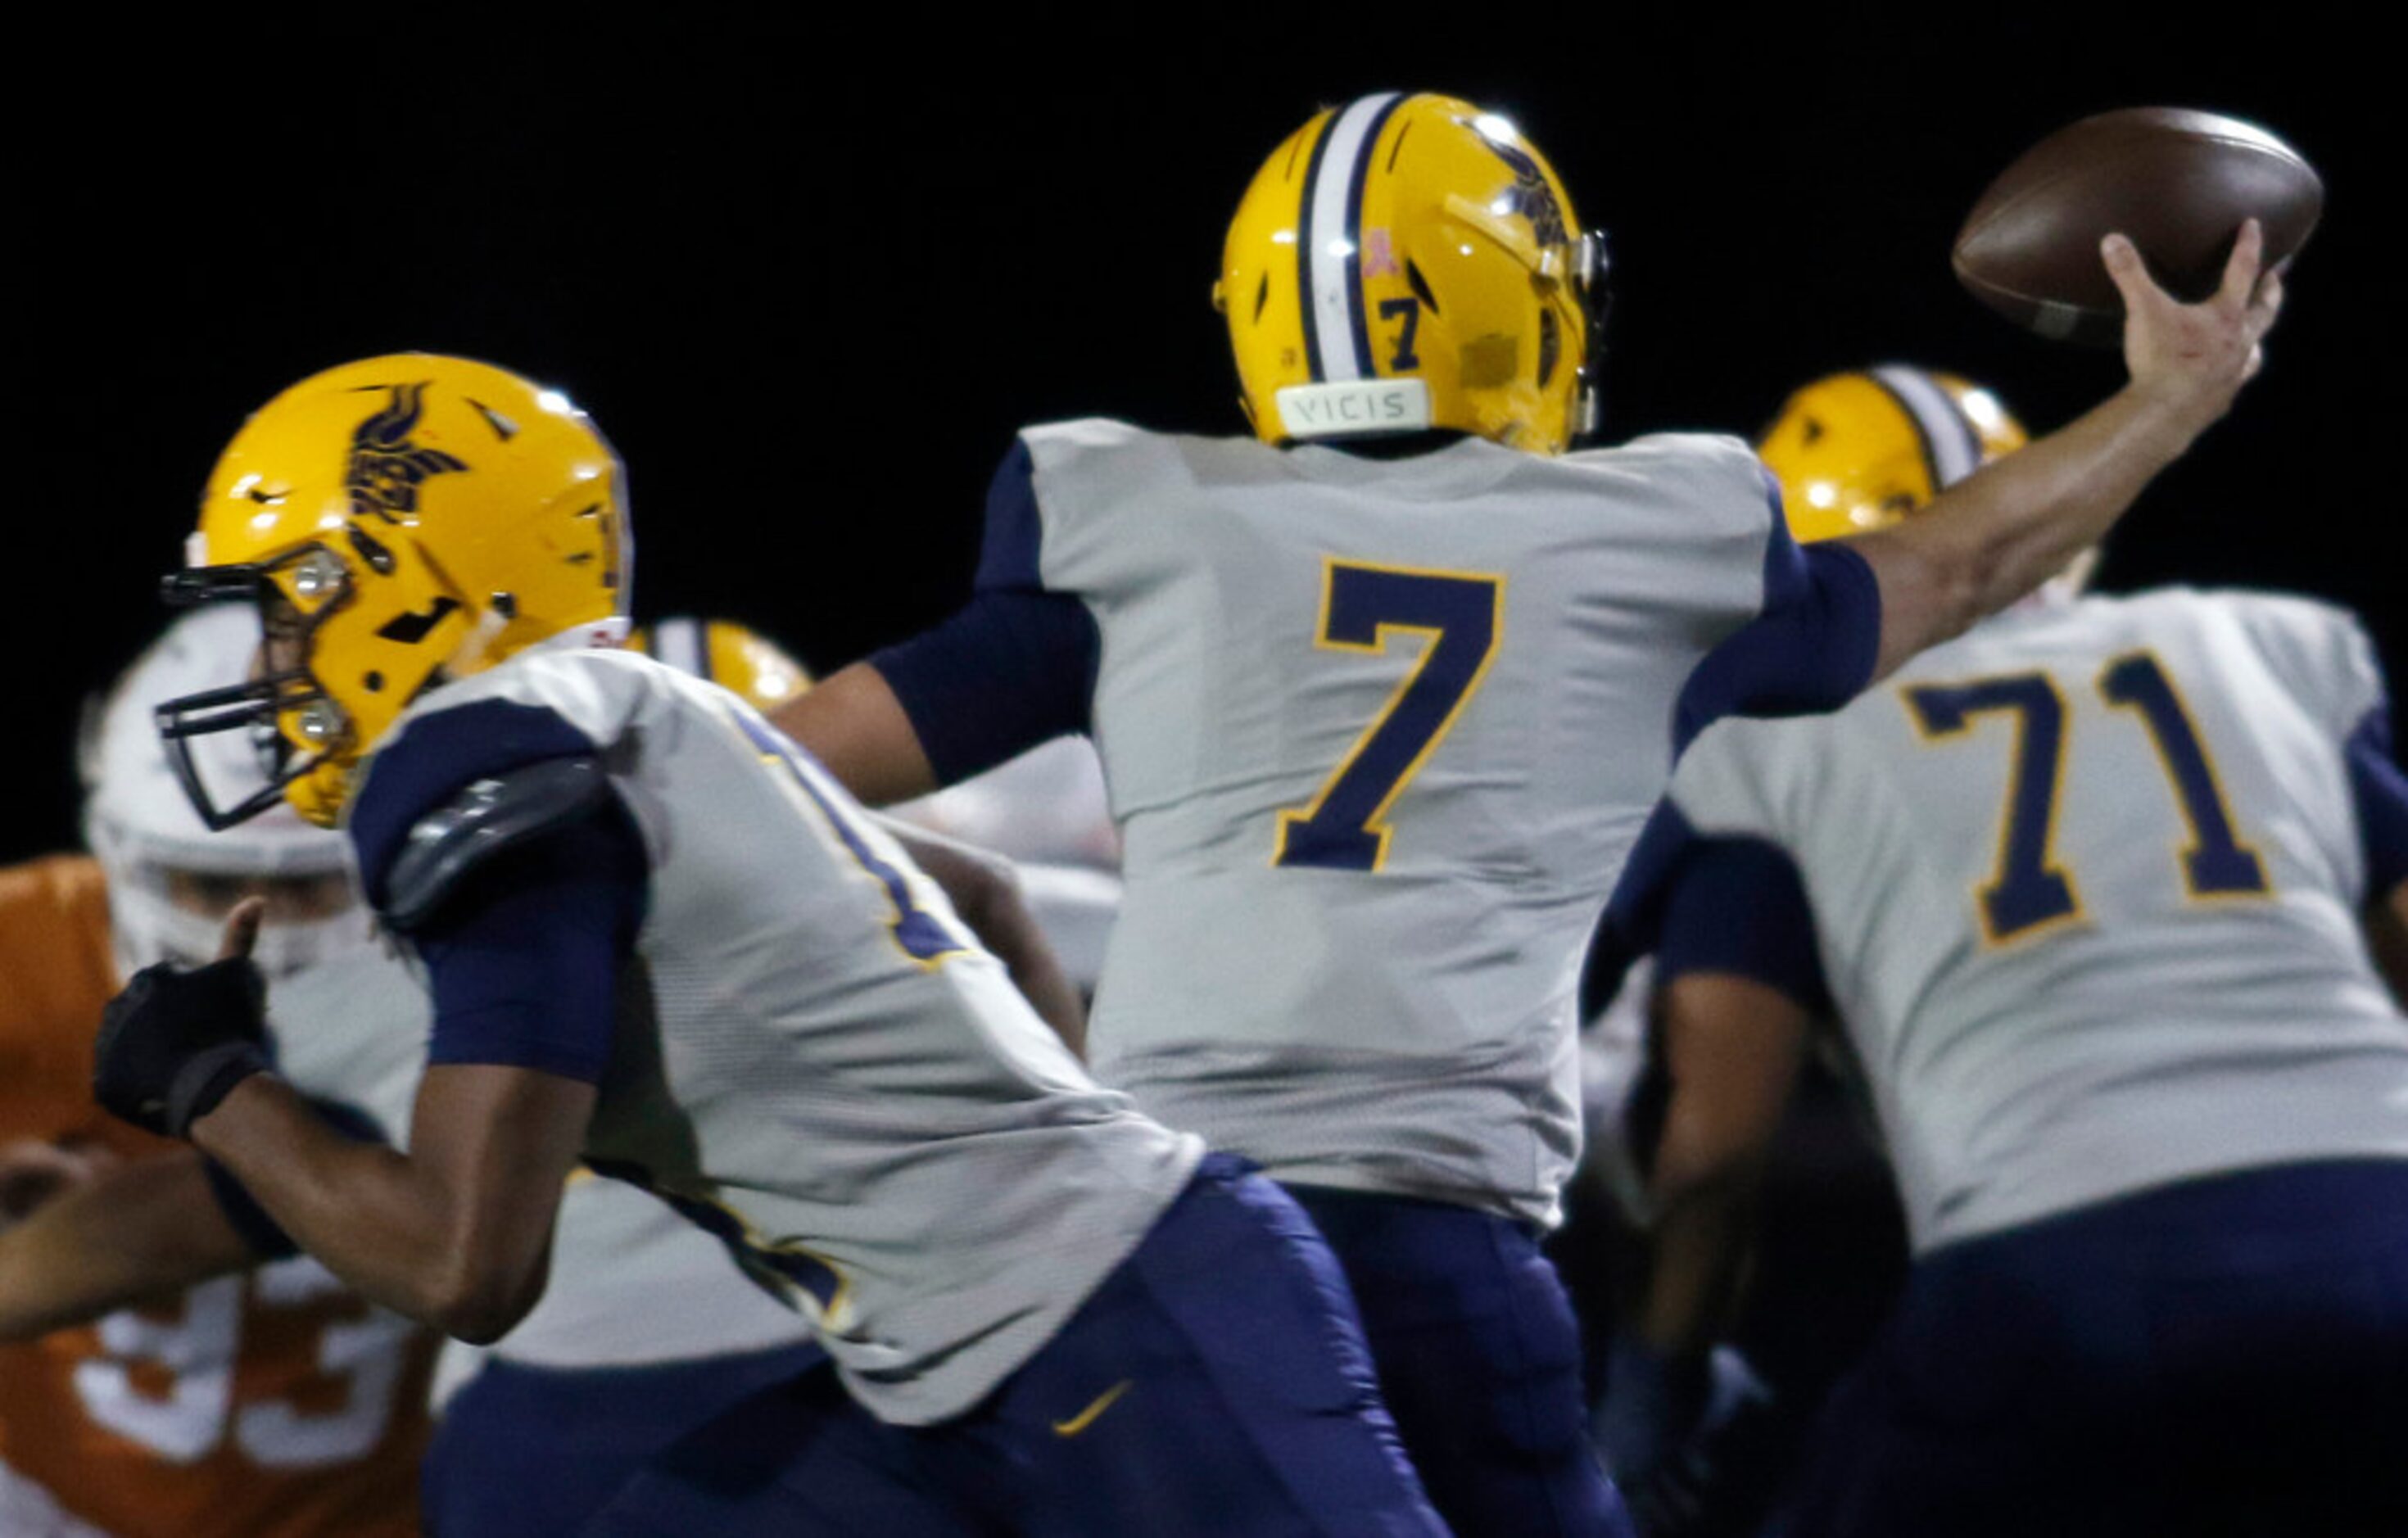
(274, 1404)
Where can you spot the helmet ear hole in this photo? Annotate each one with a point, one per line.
(1262, 297)
(1419, 285)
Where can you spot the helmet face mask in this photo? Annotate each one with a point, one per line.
(395, 523)
(1408, 263)
(294, 727)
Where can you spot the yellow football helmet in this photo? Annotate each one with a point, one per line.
(1860, 451)
(1408, 262)
(399, 522)
(741, 660)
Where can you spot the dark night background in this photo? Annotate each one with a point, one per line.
(809, 275)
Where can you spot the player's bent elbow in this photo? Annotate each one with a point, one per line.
(979, 883)
(481, 1329)
(478, 1314)
(984, 885)
(479, 1299)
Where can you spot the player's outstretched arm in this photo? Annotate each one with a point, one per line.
(135, 1231)
(457, 1233)
(1998, 535)
(855, 726)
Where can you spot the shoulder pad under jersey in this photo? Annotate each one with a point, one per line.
(487, 818)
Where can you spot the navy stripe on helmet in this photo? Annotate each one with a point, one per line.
(1338, 343)
(1362, 325)
(1952, 446)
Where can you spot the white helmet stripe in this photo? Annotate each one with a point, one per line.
(1950, 441)
(1329, 237)
(682, 644)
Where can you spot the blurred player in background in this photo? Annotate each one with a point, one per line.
(1383, 695)
(2086, 890)
(1701, 1451)
(660, 939)
(269, 1401)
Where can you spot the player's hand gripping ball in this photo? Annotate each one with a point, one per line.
(2179, 183)
(178, 1039)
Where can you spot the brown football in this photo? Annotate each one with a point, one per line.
(2179, 183)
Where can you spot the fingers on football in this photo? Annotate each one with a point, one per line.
(2241, 267)
(243, 928)
(2269, 300)
(2130, 276)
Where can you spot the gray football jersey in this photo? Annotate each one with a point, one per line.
(814, 1061)
(1378, 735)
(2086, 888)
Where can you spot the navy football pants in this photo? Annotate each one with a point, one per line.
(1216, 1383)
(1479, 1357)
(2226, 1355)
(524, 1450)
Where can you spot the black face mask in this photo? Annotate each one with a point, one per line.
(251, 706)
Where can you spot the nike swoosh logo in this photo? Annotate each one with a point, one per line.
(1087, 1417)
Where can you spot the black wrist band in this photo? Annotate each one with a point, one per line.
(207, 1077)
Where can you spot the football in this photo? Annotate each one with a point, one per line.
(2179, 183)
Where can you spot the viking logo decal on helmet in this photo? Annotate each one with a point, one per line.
(386, 467)
(1531, 198)
(462, 570)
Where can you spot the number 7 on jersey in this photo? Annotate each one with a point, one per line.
(1462, 614)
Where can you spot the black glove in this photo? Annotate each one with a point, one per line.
(177, 1040)
(1652, 1404)
(1691, 1443)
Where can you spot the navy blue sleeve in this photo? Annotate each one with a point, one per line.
(435, 759)
(1009, 548)
(1737, 906)
(524, 955)
(1633, 920)
(1016, 667)
(1010, 671)
(264, 1234)
(1812, 648)
(1701, 904)
(2381, 791)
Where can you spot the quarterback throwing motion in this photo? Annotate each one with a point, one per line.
(1383, 694)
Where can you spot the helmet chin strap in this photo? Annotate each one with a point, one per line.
(469, 655)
